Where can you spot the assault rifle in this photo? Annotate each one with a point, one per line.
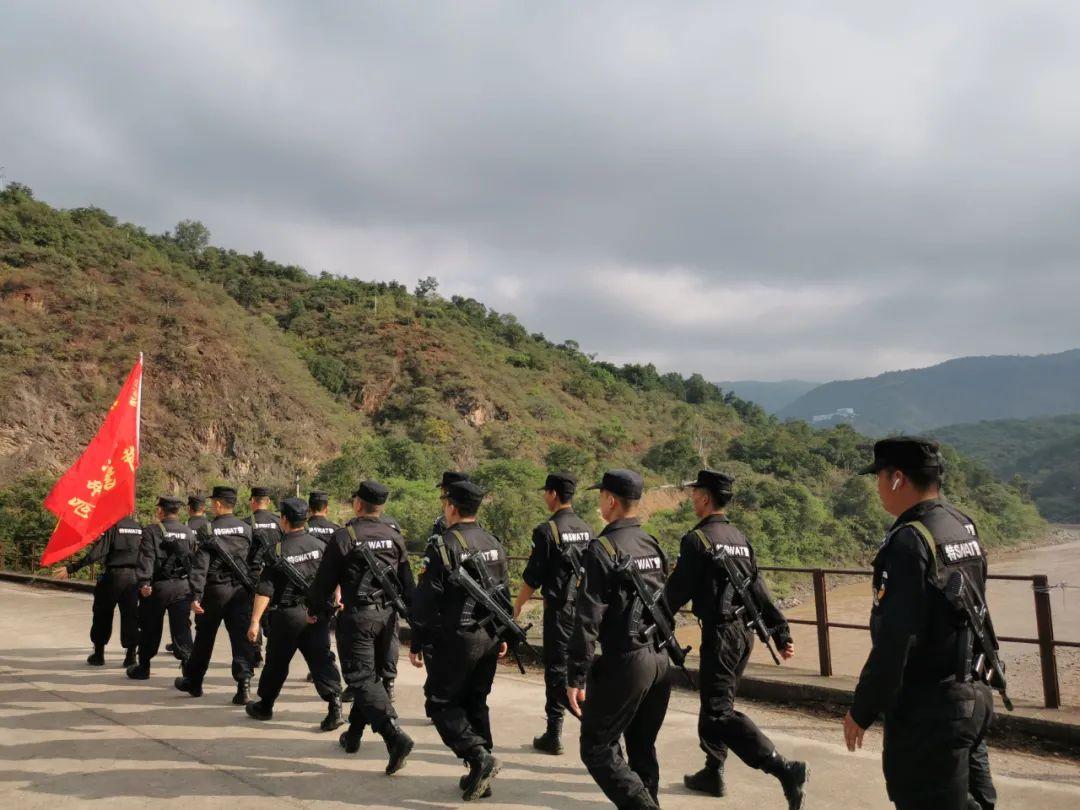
(662, 630)
(389, 586)
(987, 666)
(748, 610)
(499, 619)
(238, 568)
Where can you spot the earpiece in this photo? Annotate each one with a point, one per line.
(895, 484)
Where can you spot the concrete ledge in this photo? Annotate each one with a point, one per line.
(76, 585)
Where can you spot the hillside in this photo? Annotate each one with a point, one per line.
(772, 396)
(257, 370)
(1044, 452)
(968, 389)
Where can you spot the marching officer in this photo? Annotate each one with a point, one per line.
(557, 546)
(296, 623)
(367, 616)
(918, 674)
(448, 477)
(218, 595)
(628, 690)
(196, 507)
(265, 527)
(319, 524)
(460, 654)
(726, 641)
(165, 557)
(118, 548)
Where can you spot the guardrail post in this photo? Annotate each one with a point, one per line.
(821, 607)
(1044, 623)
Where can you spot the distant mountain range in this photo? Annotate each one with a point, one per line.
(967, 389)
(772, 396)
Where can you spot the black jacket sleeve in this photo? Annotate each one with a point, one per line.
(328, 575)
(147, 562)
(589, 612)
(200, 564)
(424, 611)
(899, 615)
(685, 580)
(536, 569)
(405, 575)
(96, 553)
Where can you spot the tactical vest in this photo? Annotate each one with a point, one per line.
(952, 545)
(636, 620)
(719, 602)
(178, 552)
(454, 551)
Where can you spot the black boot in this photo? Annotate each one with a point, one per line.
(350, 739)
(259, 710)
(709, 779)
(348, 695)
(464, 780)
(398, 745)
(333, 717)
(550, 742)
(243, 692)
(483, 768)
(129, 657)
(793, 776)
(640, 801)
(185, 684)
(139, 672)
(97, 657)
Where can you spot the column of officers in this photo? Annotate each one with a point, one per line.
(299, 578)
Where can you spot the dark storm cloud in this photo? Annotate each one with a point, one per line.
(761, 192)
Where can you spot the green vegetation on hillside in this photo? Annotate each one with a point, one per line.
(256, 370)
(1039, 456)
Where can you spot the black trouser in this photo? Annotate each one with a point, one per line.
(558, 624)
(461, 668)
(929, 741)
(980, 782)
(116, 587)
(725, 651)
(232, 604)
(361, 640)
(626, 696)
(289, 632)
(172, 596)
(388, 654)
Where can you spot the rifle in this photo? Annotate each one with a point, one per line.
(988, 667)
(499, 620)
(662, 630)
(748, 610)
(389, 586)
(239, 569)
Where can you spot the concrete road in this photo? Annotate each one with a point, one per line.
(73, 734)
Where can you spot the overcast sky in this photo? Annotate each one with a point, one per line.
(749, 190)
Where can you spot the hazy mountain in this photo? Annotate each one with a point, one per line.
(772, 396)
(968, 389)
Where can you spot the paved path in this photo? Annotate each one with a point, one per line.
(72, 734)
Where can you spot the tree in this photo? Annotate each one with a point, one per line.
(191, 235)
(426, 287)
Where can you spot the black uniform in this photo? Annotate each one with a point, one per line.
(165, 559)
(726, 642)
(366, 619)
(118, 548)
(389, 652)
(321, 528)
(551, 570)
(196, 522)
(289, 628)
(223, 598)
(460, 655)
(935, 716)
(628, 690)
(265, 534)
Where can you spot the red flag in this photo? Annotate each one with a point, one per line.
(99, 488)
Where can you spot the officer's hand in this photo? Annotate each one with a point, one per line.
(788, 650)
(503, 648)
(198, 608)
(574, 698)
(416, 659)
(853, 732)
(62, 573)
(145, 591)
(253, 632)
(312, 619)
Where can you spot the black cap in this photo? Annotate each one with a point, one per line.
(318, 498)
(260, 492)
(170, 503)
(196, 501)
(226, 494)
(372, 492)
(713, 481)
(905, 453)
(451, 477)
(294, 510)
(624, 483)
(465, 495)
(562, 484)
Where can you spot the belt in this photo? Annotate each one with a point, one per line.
(366, 606)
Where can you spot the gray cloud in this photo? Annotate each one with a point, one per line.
(768, 191)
